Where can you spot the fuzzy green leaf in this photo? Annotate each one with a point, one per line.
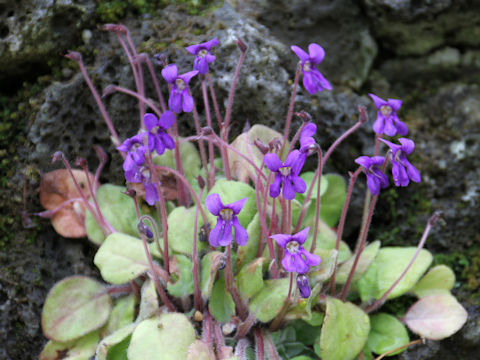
(110, 347)
(182, 271)
(74, 307)
(211, 262)
(389, 263)
(221, 304)
(387, 333)
(190, 160)
(166, 337)
(333, 199)
(250, 278)
(308, 177)
(149, 301)
(366, 258)
(122, 314)
(269, 301)
(181, 224)
(439, 280)
(248, 253)
(80, 349)
(436, 317)
(326, 240)
(344, 332)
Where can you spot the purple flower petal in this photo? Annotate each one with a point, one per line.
(281, 239)
(378, 160)
(226, 235)
(407, 145)
(150, 121)
(309, 130)
(237, 206)
(402, 129)
(309, 82)
(241, 235)
(310, 259)
(214, 204)
(316, 53)
(389, 129)
(395, 104)
(194, 49)
(167, 119)
(272, 162)
(159, 146)
(301, 266)
(168, 141)
(201, 65)
(322, 83)
(215, 233)
(275, 187)
(400, 177)
(187, 103)
(364, 161)
(291, 158)
(175, 102)
(288, 189)
(287, 262)
(379, 124)
(210, 58)
(373, 184)
(299, 185)
(379, 102)
(301, 236)
(413, 173)
(299, 52)
(211, 43)
(188, 76)
(170, 73)
(128, 164)
(151, 193)
(392, 146)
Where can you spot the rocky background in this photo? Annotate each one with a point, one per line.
(425, 52)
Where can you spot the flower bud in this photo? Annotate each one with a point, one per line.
(303, 286)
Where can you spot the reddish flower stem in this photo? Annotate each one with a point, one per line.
(214, 101)
(211, 152)
(197, 298)
(290, 108)
(270, 347)
(182, 196)
(259, 346)
(431, 221)
(201, 145)
(155, 82)
(231, 287)
(341, 224)
(112, 88)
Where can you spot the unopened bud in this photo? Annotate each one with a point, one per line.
(207, 130)
(160, 59)
(145, 230)
(241, 45)
(58, 155)
(81, 162)
(261, 146)
(201, 181)
(101, 154)
(306, 117)
(117, 28)
(303, 286)
(363, 117)
(203, 233)
(130, 192)
(275, 144)
(73, 55)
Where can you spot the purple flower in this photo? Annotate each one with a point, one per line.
(221, 234)
(312, 79)
(376, 179)
(286, 174)
(402, 170)
(158, 139)
(387, 120)
(179, 96)
(135, 150)
(307, 142)
(202, 55)
(303, 286)
(296, 259)
(143, 175)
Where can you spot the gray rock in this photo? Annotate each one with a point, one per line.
(31, 32)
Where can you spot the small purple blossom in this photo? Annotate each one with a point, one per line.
(313, 81)
(286, 174)
(387, 119)
(221, 234)
(143, 175)
(296, 259)
(135, 150)
(376, 179)
(402, 170)
(180, 99)
(303, 286)
(202, 55)
(158, 139)
(307, 142)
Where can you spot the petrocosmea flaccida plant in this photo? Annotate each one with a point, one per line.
(226, 250)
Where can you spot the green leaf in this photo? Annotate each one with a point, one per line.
(306, 333)
(166, 337)
(439, 280)
(366, 258)
(326, 240)
(250, 278)
(303, 308)
(74, 307)
(324, 271)
(113, 346)
(190, 160)
(344, 331)
(248, 253)
(308, 177)
(122, 314)
(121, 258)
(333, 199)
(245, 144)
(389, 263)
(181, 224)
(386, 334)
(436, 317)
(316, 320)
(231, 191)
(149, 301)
(221, 304)
(210, 264)
(117, 208)
(80, 349)
(183, 272)
(269, 301)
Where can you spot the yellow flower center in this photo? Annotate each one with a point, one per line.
(285, 170)
(386, 110)
(226, 214)
(180, 84)
(292, 247)
(202, 53)
(307, 66)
